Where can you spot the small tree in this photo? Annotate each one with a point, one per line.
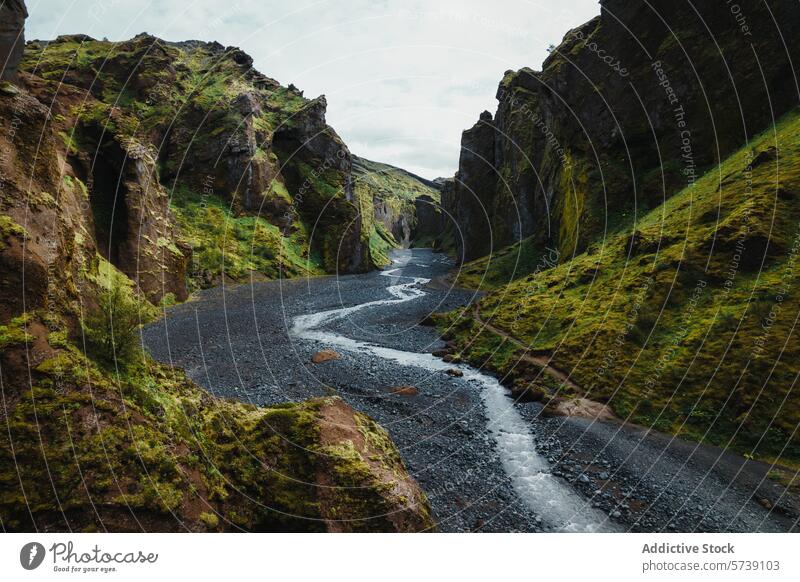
(111, 330)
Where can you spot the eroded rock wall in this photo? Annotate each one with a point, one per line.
(12, 37)
(630, 108)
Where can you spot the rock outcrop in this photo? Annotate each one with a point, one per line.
(648, 179)
(629, 109)
(12, 37)
(217, 130)
(89, 138)
(145, 449)
(429, 218)
(389, 198)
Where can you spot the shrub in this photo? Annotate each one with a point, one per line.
(111, 329)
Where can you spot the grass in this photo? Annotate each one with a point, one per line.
(686, 321)
(224, 244)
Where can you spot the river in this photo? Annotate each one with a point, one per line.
(486, 463)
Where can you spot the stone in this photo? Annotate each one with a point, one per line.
(325, 356)
(549, 124)
(455, 373)
(525, 391)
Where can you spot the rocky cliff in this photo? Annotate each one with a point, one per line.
(197, 127)
(630, 108)
(12, 37)
(390, 198)
(96, 206)
(640, 198)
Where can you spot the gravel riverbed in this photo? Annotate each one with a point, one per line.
(237, 342)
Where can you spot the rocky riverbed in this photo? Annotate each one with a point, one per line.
(486, 463)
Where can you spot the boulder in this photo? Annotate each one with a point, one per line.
(325, 356)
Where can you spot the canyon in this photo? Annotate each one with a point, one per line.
(602, 337)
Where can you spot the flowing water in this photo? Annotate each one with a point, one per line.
(551, 499)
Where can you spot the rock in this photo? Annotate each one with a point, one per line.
(440, 353)
(429, 223)
(404, 390)
(325, 356)
(603, 476)
(579, 407)
(383, 184)
(549, 124)
(524, 391)
(765, 503)
(455, 373)
(12, 36)
(583, 478)
(451, 358)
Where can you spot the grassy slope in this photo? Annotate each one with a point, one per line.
(236, 246)
(676, 323)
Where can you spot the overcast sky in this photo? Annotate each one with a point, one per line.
(403, 78)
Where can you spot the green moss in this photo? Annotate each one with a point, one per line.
(211, 520)
(15, 332)
(574, 184)
(9, 228)
(684, 323)
(237, 246)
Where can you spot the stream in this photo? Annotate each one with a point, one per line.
(557, 505)
(485, 462)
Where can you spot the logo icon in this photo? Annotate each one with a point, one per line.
(31, 555)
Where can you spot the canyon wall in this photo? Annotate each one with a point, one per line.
(630, 108)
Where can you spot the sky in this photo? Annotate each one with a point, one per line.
(403, 78)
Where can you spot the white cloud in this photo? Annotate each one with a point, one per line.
(403, 77)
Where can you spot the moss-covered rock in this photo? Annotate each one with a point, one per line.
(90, 450)
(172, 118)
(628, 110)
(390, 209)
(686, 322)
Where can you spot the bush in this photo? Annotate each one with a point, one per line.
(112, 329)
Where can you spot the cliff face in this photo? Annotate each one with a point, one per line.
(630, 108)
(648, 180)
(12, 36)
(389, 198)
(86, 155)
(188, 122)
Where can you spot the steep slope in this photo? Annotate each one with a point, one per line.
(630, 108)
(686, 323)
(96, 435)
(212, 131)
(394, 201)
